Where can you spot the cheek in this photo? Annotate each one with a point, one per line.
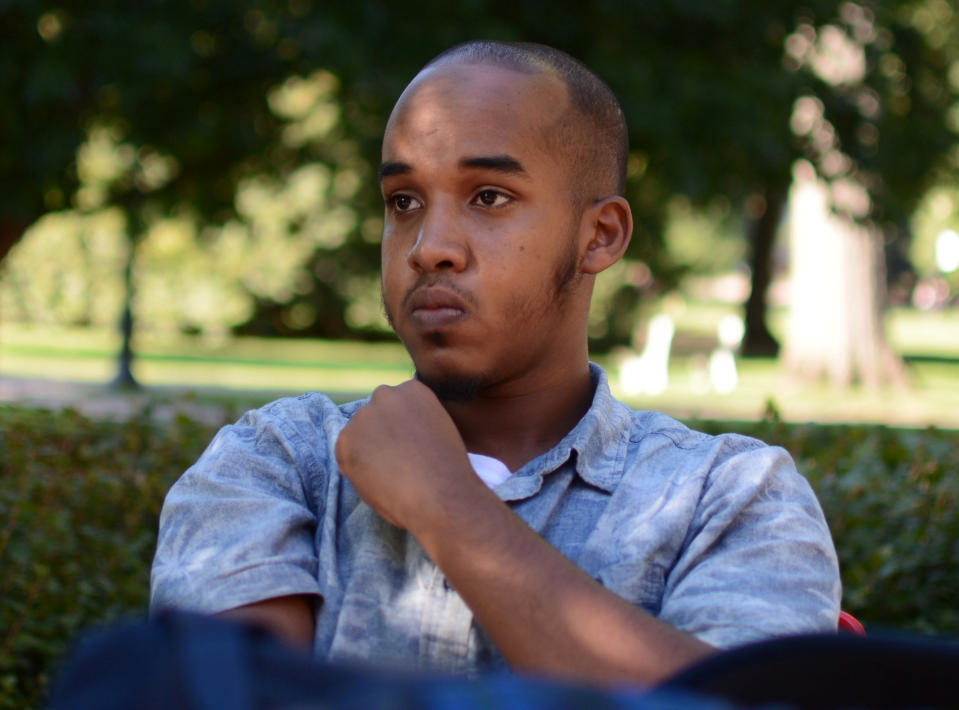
(392, 270)
(391, 289)
(392, 255)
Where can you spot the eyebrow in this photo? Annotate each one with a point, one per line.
(393, 168)
(499, 163)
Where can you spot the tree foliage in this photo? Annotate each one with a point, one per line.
(709, 89)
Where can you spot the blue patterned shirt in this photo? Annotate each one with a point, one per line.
(716, 535)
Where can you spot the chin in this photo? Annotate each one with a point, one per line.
(452, 387)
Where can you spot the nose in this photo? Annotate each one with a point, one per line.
(440, 244)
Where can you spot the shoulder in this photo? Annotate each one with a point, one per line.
(756, 557)
(718, 476)
(658, 439)
(238, 526)
(647, 425)
(620, 445)
(309, 409)
(288, 434)
(312, 416)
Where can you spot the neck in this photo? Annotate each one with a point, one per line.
(516, 422)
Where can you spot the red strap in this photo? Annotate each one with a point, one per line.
(850, 624)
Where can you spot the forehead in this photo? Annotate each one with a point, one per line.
(475, 110)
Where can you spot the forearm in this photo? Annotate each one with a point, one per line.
(289, 618)
(543, 613)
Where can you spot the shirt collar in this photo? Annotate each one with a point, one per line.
(599, 440)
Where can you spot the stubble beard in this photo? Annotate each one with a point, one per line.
(455, 388)
(451, 387)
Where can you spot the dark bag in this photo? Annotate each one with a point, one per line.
(826, 671)
(186, 662)
(182, 661)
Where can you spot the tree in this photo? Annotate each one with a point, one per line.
(185, 89)
(709, 90)
(875, 143)
(706, 87)
(835, 326)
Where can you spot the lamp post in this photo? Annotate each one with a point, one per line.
(124, 378)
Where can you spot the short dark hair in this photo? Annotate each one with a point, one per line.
(597, 137)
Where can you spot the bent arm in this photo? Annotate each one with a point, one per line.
(759, 562)
(544, 614)
(237, 530)
(406, 459)
(761, 548)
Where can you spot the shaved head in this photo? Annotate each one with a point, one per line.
(499, 171)
(591, 133)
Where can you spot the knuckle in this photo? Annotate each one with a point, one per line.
(381, 394)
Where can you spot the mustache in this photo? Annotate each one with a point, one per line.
(438, 282)
(425, 282)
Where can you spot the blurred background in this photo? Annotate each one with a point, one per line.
(190, 225)
(189, 198)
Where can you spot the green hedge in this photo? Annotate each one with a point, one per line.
(79, 501)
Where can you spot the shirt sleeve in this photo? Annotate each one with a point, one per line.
(239, 526)
(758, 560)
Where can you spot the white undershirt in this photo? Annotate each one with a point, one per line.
(491, 471)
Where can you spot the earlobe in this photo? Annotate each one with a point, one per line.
(609, 225)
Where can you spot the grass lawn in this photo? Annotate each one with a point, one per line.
(248, 371)
(268, 365)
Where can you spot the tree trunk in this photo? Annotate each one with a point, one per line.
(124, 378)
(838, 290)
(757, 340)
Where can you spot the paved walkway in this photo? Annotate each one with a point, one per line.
(104, 402)
(219, 405)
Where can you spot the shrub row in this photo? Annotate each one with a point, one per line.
(79, 501)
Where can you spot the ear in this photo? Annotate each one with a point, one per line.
(608, 225)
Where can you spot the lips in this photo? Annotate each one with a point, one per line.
(433, 308)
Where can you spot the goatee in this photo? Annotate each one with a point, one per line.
(454, 388)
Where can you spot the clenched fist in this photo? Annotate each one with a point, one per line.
(404, 456)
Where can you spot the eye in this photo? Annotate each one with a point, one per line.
(401, 202)
(492, 198)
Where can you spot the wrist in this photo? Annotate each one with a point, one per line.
(457, 510)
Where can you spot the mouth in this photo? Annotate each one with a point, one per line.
(433, 308)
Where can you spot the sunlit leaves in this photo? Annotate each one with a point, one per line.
(106, 164)
(200, 277)
(67, 269)
(308, 104)
(214, 97)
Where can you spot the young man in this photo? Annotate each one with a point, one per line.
(577, 538)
